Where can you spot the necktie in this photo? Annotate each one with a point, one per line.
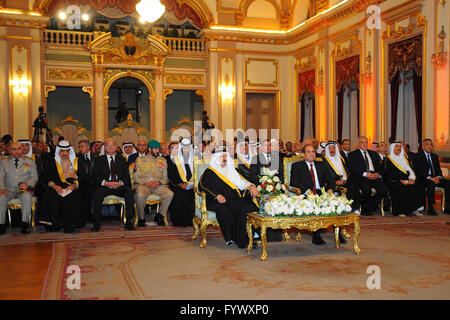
(430, 164)
(16, 162)
(113, 170)
(366, 161)
(268, 160)
(188, 172)
(86, 157)
(313, 176)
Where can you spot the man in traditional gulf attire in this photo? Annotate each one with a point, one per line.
(229, 195)
(128, 150)
(18, 176)
(150, 177)
(340, 173)
(244, 158)
(181, 178)
(62, 199)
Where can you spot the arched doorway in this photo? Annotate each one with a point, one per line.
(132, 93)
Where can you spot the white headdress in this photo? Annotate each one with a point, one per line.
(64, 145)
(247, 158)
(229, 171)
(185, 143)
(132, 152)
(400, 160)
(335, 161)
(30, 151)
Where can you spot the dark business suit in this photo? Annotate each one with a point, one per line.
(423, 170)
(301, 176)
(357, 168)
(101, 172)
(344, 155)
(259, 161)
(86, 185)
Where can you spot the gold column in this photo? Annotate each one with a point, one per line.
(99, 121)
(5, 125)
(158, 122)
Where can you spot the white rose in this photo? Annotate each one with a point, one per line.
(278, 187)
(269, 188)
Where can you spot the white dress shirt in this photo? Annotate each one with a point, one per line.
(371, 168)
(315, 174)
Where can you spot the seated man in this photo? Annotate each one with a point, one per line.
(141, 151)
(18, 176)
(229, 196)
(111, 177)
(128, 150)
(309, 174)
(429, 174)
(62, 199)
(340, 173)
(244, 158)
(366, 173)
(150, 177)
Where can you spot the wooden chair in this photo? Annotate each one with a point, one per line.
(15, 204)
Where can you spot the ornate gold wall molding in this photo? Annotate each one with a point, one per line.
(167, 92)
(128, 49)
(69, 74)
(89, 90)
(185, 78)
(203, 94)
(274, 81)
(47, 89)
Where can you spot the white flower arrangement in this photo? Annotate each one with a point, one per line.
(269, 183)
(327, 204)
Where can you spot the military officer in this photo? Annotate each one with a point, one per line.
(18, 176)
(150, 177)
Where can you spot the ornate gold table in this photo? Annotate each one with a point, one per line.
(309, 223)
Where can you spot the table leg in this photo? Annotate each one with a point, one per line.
(264, 243)
(336, 236)
(250, 236)
(286, 235)
(345, 233)
(356, 237)
(298, 237)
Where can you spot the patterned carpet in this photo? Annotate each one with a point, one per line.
(163, 263)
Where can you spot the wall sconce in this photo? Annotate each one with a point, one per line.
(20, 83)
(440, 57)
(319, 87)
(367, 75)
(227, 89)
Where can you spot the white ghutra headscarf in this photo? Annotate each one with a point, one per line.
(132, 152)
(185, 143)
(229, 171)
(335, 161)
(400, 160)
(30, 151)
(64, 145)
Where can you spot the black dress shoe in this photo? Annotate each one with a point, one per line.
(447, 211)
(2, 228)
(25, 229)
(95, 228)
(141, 223)
(317, 239)
(70, 231)
(432, 212)
(129, 226)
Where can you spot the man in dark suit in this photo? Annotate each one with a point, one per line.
(312, 175)
(111, 177)
(86, 163)
(268, 158)
(345, 149)
(429, 174)
(366, 172)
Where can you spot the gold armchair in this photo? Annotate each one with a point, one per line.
(287, 165)
(202, 218)
(15, 204)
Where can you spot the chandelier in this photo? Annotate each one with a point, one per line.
(150, 10)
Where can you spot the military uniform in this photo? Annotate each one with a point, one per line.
(147, 169)
(10, 178)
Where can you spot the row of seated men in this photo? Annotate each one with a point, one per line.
(66, 180)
